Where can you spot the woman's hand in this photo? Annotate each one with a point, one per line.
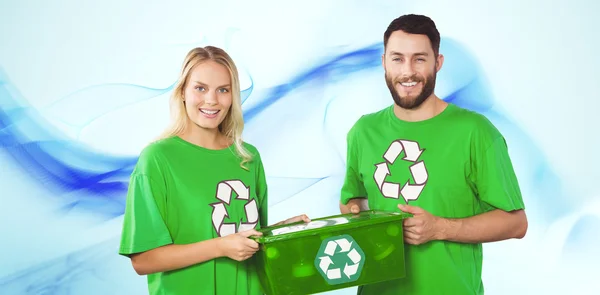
(238, 246)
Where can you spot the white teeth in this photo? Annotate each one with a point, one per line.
(209, 112)
(409, 84)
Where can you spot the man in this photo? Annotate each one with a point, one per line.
(449, 167)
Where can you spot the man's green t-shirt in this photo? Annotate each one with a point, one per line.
(181, 193)
(453, 165)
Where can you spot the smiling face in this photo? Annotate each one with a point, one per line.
(411, 67)
(207, 95)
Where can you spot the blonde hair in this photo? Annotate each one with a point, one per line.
(233, 123)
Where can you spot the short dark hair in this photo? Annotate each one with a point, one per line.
(415, 24)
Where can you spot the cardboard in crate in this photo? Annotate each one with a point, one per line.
(331, 253)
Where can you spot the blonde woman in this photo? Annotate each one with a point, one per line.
(199, 192)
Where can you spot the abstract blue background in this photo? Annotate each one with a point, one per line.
(84, 87)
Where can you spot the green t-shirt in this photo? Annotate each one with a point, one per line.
(180, 193)
(453, 165)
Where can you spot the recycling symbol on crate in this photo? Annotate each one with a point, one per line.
(412, 152)
(340, 260)
(225, 189)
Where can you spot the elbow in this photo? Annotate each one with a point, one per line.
(140, 271)
(521, 232)
(139, 266)
(521, 228)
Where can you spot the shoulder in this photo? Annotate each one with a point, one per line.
(251, 148)
(373, 118)
(254, 153)
(158, 148)
(480, 129)
(478, 123)
(369, 120)
(153, 155)
(255, 163)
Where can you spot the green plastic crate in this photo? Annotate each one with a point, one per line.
(331, 253)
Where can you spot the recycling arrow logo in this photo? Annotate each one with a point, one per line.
(340, 260)
(412, 152)
(225, 190)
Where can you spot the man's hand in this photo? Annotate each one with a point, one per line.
(492, 226)
(422, 227)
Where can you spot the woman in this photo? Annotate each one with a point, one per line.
(199, 192)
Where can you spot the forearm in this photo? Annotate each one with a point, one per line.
(491, 226)
(172, 257)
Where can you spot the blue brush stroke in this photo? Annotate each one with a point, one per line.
(58, 163)
(582, 244)
(92, 270)
(333, 70)
(63, 165)
(90, 103)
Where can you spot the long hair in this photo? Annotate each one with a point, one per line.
(233, 123)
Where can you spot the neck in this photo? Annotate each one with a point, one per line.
(430, 108)
(207, 138)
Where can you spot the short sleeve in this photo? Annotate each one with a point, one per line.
(144, 226)
(495, 179)
(353, 186)
(262, 191)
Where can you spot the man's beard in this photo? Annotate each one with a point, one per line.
(406, 102)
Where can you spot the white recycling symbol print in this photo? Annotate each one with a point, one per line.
(224, 193)
(412, 152)
(345, 270)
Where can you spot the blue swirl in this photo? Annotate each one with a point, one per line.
(97, 182)
(100, 180)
